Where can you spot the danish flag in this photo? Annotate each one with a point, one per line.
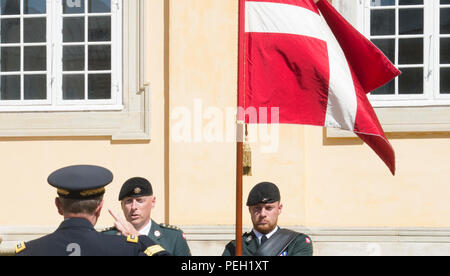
(308, 62)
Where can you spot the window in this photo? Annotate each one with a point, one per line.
(415, 36)
(60, 55)
(141, 50)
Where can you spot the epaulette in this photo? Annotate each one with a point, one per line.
(154, 249)
(20, 247)
(173, 227)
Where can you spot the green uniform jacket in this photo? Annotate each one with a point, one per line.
(301, 246)
(171, 238)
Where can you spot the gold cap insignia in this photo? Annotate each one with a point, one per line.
(137, 191)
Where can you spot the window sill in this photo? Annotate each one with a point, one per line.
(66, 108)
(406, 119)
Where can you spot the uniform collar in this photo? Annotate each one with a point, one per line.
(76, 222)
(259, 235)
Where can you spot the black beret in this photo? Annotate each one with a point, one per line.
(135, 187)
(264, 192)
(80, 181)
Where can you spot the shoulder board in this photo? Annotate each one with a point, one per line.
(132, 239)
(154, 249)
(170, 226)
(20, 247)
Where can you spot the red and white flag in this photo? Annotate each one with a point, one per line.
(314, 67)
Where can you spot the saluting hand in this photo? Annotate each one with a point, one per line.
(123, 226)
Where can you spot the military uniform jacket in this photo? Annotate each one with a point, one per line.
(301, 246)
(171, 238)
(77, 237)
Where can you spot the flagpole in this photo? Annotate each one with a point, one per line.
(240, 127)
(239, 180)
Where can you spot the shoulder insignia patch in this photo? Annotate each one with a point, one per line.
(132, 239)
(170, 226)
(20, 247)
(154, 249)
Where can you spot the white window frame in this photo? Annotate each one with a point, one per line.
(399, 119)
(431, 36)
(143, 21)
(54, 43)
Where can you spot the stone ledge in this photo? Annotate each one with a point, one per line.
(210, 240)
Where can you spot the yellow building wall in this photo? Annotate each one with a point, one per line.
(324, 182)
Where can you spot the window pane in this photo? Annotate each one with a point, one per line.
(445, 50)
(100, 6)
(35, 58)
(445, 80)
(411, 81)
(445, 21)
(34, 30)
(410, 51)
(10, 88)
(73, 87)
(387, 46)
(34, 6)
(100, 57)
(35, 87)
(73, 58)
(73, 29)
(73, 6)
(382, 22)
(10, 7)
(10, 59)
(444, 2)
(10, 30)
(411, 21)
(99, 87)
(388, 89)
(100, 28)
(410, 2)
(377, 3)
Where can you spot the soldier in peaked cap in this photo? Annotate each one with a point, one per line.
(266, 237)
(80, 200)
(137, 201)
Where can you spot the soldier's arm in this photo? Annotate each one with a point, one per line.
(181, 246)
(301, 247)
(230, 250)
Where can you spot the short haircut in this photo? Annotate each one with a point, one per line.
(76, 206)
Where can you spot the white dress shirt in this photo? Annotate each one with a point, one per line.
(146, 230)
(259, 235)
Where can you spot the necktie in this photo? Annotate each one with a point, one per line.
(263, 239)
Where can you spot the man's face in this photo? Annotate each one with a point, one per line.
(137, 210)
(265, 216)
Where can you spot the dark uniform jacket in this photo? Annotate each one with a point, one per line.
(77, 237)
(301, 246)
(171, 238)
